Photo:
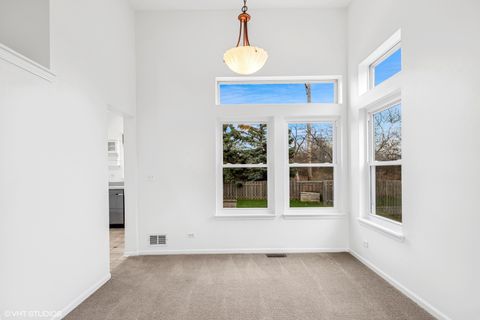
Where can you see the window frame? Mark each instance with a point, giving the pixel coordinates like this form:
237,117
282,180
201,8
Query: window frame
313,211
382,58
372,163
336,80
377,56
245,212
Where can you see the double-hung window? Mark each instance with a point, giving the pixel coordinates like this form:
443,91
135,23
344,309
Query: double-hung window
245,165
311,164
276,147
385,161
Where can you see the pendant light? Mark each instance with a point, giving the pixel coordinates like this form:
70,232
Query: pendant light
245,59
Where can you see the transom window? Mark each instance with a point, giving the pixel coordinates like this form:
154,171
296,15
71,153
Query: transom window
385,161
311,164
277,91
245,165
386,66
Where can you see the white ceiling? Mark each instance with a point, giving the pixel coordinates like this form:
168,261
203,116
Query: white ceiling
234,4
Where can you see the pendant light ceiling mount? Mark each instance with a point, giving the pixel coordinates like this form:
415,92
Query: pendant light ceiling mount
245,59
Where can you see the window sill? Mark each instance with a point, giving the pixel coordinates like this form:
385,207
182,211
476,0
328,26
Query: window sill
25,63
244,215
315,214
399,236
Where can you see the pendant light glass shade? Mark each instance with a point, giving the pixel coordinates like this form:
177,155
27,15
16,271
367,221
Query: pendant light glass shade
245,59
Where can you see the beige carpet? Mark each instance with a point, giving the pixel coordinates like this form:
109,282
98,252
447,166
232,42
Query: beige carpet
247,287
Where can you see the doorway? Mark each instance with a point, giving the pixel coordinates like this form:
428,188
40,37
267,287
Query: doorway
116,186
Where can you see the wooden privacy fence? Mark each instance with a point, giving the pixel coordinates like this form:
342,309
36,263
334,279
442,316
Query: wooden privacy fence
389,196
252,190
257,190
323,187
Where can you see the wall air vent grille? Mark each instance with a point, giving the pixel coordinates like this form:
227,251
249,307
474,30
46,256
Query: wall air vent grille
158,239
276,255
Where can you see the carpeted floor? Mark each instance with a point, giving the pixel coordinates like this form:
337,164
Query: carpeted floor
247,287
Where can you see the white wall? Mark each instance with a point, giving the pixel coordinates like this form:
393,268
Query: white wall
179,54
53,164
439,261
25,27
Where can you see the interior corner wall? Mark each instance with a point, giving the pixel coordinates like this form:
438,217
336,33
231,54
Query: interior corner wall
53,158
439,261
179,54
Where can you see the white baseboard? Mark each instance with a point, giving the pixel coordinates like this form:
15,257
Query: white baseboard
424,304
421,302
87,293
165,251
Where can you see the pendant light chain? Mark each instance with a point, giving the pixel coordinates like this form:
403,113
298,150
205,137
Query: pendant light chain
244,8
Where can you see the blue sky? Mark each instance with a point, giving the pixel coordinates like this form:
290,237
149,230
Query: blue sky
388,67
279,93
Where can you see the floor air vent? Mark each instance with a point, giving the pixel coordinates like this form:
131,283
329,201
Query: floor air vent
276,255
158,239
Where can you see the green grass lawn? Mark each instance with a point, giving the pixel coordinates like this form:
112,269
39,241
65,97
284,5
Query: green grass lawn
249,203
388,215
300,204
394,202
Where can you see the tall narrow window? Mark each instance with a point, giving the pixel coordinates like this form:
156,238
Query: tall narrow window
386,162
311,164
244,166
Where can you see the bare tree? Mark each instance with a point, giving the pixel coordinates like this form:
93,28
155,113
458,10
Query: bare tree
308,89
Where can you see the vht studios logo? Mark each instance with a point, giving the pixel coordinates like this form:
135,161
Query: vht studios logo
34,314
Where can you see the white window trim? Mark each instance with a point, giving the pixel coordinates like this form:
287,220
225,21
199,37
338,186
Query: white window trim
373,65
336,79
260,213
387,226
364,77
313,211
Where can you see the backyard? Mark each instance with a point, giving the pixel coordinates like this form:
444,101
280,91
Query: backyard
262,203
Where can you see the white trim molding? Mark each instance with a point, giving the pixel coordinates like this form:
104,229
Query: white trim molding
24,63
409,293
82,297
364,78
297,214
387,231
237,251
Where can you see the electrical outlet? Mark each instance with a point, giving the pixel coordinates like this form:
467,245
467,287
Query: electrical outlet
365,243
191,235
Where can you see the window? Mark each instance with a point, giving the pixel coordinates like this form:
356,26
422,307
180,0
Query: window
311,164
276,91
276,151
387,66
245,165
385,162
382,64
